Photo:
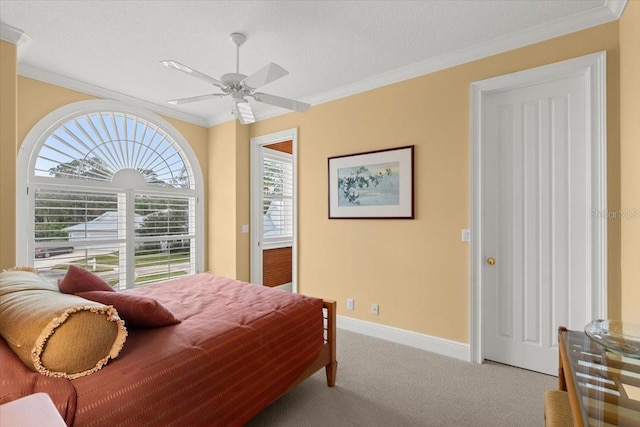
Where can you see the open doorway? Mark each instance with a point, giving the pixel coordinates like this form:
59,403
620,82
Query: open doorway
273,210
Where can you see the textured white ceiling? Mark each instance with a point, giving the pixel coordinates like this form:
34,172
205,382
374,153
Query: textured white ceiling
330,48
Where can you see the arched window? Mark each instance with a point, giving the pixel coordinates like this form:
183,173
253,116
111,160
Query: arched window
111,188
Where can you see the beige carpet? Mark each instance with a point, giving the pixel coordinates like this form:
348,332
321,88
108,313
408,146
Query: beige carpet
385,384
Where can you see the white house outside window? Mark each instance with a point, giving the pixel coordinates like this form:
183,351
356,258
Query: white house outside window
113,189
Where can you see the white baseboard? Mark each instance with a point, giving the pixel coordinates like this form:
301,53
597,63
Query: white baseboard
442,346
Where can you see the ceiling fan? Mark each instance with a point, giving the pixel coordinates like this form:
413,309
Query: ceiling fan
240,86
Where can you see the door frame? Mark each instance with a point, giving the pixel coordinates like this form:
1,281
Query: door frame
256,208
593,67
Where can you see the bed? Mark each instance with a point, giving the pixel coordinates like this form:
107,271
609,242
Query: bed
236,349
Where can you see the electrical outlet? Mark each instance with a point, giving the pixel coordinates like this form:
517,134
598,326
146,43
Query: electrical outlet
375,310
349,303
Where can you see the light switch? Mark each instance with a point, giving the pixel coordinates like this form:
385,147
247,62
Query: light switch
466,235
245,228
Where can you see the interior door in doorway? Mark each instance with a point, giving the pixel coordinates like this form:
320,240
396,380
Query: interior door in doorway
537,220
274,209
277,208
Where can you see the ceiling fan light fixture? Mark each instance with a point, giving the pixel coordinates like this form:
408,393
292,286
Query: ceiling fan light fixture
239,85
243,111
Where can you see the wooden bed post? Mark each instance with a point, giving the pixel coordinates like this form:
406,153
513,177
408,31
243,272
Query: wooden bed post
332,368
327,357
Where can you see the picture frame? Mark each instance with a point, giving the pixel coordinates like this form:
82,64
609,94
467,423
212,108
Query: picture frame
372,185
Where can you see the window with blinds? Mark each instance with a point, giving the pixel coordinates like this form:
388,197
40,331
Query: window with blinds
113,193
277,198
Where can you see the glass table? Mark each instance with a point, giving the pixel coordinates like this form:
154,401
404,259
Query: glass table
603,387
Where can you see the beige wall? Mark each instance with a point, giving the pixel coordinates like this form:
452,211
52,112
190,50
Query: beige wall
36,99
228,198
418,270
630,159
243,195
8,150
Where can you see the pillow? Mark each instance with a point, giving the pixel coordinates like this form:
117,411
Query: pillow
136,310
53,333
80,280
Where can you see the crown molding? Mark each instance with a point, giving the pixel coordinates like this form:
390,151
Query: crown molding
611,10
263,115
77,85
608,12
616,7
218,119
15,36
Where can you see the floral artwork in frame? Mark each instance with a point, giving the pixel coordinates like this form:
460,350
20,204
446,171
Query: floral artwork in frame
375,184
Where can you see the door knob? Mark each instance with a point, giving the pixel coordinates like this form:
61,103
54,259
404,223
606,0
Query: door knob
491,260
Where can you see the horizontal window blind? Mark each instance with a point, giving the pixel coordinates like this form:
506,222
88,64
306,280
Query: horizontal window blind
277,197
64,215
80,228
165,240
113,192
89,229
94,147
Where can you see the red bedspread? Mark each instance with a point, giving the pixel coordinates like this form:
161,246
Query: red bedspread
238,348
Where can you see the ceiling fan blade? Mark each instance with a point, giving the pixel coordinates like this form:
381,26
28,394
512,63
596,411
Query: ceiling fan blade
195,98
279,101
197,74
242,110
266,74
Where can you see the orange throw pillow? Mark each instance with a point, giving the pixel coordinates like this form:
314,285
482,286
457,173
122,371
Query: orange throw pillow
80,280
135,310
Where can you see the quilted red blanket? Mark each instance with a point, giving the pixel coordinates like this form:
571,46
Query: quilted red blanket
238,347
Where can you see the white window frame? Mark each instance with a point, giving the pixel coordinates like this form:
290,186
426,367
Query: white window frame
36,137
279,241
257,143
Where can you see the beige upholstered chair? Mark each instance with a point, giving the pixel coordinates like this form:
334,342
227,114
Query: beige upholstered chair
557,410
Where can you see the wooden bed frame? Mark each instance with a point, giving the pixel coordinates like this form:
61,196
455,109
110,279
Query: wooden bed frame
21,380
327,357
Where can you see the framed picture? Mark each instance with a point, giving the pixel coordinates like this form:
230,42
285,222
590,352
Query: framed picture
375,184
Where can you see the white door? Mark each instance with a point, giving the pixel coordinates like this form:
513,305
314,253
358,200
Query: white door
538,221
